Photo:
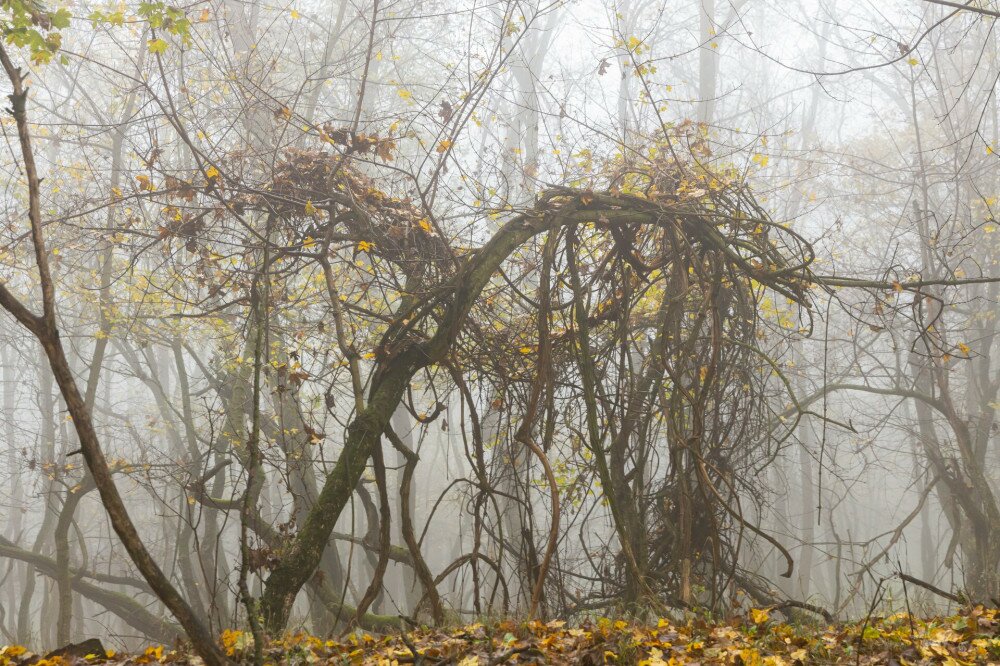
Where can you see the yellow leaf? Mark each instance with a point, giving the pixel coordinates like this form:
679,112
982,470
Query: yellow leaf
295,14
211,172
964,348
525,349
156,45
310,208
655,659
144,182
364,246
425,225
405,94
912,62
309,241
444,146
205,15
758,616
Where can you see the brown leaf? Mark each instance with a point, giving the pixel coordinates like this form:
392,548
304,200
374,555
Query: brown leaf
446,111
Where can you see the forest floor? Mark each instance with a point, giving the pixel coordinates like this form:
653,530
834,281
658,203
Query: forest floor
969,638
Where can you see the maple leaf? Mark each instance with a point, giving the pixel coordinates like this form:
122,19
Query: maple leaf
157,45
384,149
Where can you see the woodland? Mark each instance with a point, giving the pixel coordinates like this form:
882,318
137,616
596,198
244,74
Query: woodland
499,331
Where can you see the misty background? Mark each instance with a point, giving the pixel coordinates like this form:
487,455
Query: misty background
867,445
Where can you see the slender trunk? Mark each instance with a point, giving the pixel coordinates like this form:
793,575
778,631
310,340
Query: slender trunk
808,509
708,60
402,425
46,404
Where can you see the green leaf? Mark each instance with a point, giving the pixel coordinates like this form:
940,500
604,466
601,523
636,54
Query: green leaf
60,18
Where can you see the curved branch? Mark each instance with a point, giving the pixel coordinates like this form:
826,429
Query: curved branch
124,606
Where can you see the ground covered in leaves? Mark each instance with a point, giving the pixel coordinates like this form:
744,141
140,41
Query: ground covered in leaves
970,638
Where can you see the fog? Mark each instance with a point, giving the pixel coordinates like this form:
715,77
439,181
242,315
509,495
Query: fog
381,313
